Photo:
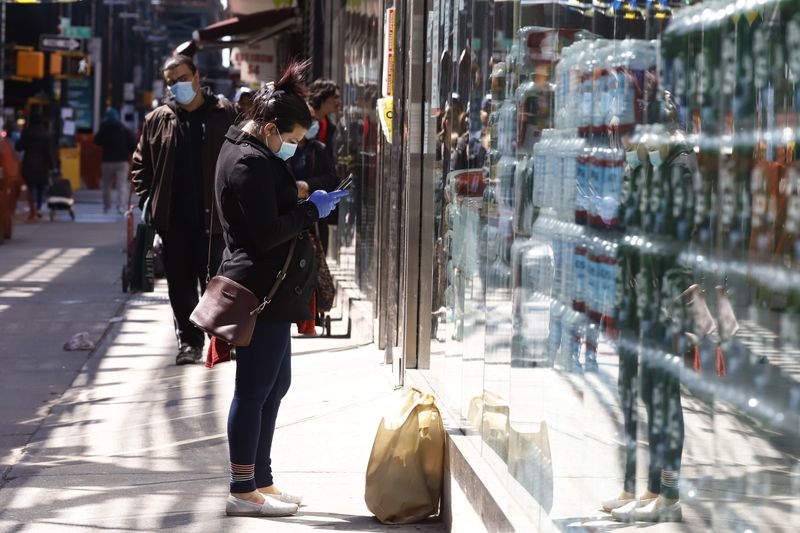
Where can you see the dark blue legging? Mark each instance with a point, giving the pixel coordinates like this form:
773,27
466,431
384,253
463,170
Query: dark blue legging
263,376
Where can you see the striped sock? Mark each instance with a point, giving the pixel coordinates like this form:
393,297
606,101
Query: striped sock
669,484
242,473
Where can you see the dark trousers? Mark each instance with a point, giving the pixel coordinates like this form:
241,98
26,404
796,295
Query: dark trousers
661,393
263,376
36,191
628,383
185,260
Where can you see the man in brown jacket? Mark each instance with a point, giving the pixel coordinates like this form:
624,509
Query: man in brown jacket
173,172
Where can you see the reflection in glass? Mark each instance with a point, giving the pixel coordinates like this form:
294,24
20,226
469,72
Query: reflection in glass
619,238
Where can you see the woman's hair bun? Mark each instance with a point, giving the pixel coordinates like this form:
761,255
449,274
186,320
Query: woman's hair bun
292,79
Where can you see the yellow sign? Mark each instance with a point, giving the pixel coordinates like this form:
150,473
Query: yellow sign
386,116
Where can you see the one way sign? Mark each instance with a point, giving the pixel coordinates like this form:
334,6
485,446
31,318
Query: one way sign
56,43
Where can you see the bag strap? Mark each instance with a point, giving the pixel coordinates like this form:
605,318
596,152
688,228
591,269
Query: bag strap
278,280
210,237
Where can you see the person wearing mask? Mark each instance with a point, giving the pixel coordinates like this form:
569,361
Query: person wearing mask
264,223
117,143
326,100
173,171
314,170
38,162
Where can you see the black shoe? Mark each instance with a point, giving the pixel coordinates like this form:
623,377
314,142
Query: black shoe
188,355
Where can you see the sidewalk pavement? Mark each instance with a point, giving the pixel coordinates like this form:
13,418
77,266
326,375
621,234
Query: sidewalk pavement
138,444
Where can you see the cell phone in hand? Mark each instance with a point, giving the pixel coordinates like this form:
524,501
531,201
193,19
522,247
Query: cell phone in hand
345,183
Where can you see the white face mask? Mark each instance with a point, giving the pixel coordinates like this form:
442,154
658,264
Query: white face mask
655,158
633,159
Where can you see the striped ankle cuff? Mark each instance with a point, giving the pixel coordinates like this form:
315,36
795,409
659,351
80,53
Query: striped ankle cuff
242,473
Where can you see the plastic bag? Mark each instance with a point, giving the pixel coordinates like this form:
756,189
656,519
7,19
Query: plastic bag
79,342
405,471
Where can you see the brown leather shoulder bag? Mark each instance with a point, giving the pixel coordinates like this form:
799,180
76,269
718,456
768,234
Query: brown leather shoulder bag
228,310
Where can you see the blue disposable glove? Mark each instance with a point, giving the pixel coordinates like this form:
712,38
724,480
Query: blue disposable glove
326,201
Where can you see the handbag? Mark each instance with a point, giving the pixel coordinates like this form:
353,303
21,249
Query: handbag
228,310
142,274
325,289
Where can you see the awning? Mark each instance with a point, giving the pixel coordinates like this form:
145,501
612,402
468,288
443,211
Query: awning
247,28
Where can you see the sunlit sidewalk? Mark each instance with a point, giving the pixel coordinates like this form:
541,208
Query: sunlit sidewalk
138,444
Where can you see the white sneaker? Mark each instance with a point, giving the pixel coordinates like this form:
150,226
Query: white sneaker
624,513
286,497
653,513
271,507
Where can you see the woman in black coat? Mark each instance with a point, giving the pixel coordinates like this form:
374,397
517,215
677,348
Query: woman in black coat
37,163
261,217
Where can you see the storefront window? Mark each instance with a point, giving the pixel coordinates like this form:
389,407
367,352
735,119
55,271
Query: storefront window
358,139
616,311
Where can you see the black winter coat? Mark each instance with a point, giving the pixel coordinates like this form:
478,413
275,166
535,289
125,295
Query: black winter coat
117,141
153,162
256,197
38,160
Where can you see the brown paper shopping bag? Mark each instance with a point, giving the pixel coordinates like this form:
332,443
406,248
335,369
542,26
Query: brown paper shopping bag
404,474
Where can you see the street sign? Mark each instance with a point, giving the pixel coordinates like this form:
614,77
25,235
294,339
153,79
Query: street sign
78,32
56,43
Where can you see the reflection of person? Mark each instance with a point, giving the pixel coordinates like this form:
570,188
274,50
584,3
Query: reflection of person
173,169
117,143
264,223
37,163
652,326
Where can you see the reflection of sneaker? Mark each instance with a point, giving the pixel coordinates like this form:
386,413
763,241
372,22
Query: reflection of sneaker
615,503
188,355
624,513
658,512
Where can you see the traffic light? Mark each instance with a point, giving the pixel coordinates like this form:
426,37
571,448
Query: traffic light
65,65
30,64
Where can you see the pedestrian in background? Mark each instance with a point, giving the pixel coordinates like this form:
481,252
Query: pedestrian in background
264,224
10,183
244,101
38,162
326,100
314,171
173,174
117,142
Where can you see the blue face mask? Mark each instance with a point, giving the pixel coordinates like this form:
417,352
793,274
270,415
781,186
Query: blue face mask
286,150
183,92
655,158
312,130
633,159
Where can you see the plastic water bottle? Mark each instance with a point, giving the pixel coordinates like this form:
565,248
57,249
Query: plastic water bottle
539,168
